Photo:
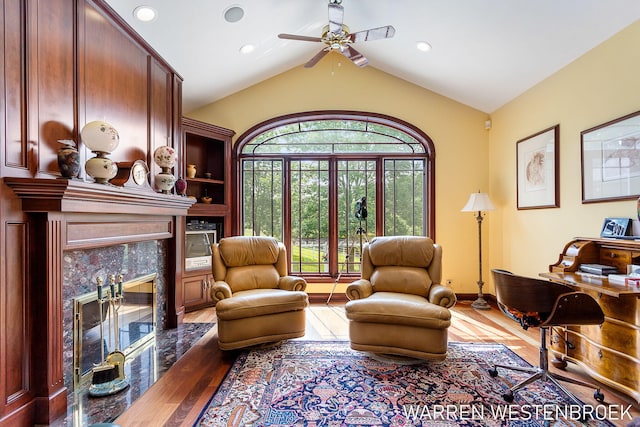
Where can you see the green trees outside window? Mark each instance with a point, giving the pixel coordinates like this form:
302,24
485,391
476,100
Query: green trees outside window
302,176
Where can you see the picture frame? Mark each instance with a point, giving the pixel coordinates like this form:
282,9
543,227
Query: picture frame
616,227
610,155
537,164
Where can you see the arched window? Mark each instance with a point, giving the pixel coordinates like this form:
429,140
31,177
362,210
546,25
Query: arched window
326,182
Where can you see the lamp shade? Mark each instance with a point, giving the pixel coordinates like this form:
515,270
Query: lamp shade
478,202
165,156
100,136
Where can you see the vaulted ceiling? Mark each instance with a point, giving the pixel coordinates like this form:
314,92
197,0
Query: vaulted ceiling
483,53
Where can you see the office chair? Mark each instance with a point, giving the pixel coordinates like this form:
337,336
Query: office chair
543,304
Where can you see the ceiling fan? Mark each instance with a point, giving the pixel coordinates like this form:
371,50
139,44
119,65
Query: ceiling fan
337,37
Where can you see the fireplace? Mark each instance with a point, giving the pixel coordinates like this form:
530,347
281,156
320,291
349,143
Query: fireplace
78,231
94,326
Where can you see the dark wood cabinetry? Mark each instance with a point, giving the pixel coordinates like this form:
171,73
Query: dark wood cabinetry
608,352
207,148
65,63
196,290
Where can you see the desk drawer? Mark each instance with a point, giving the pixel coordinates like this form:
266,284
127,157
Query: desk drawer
615,367
618,258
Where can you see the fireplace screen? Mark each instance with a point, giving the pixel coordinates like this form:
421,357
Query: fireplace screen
136,325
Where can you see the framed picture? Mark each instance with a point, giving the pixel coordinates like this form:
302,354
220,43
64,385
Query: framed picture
537,169
615,227
611,160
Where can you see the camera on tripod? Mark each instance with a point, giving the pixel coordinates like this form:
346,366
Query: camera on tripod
361,208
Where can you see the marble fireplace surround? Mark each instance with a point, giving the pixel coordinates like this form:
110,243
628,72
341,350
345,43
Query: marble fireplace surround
78,230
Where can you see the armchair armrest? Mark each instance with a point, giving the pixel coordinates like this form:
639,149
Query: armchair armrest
220,290
359,289
292,283
442,296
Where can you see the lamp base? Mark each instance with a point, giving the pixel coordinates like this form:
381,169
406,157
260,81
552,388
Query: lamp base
480,304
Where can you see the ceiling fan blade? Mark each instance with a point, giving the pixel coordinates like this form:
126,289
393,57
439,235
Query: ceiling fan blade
385,32
355,56
302,38
336,15
313,61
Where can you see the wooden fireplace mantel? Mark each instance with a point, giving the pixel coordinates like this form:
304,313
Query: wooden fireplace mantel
77,196
69,214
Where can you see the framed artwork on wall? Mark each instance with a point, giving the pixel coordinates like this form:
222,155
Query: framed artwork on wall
538,170
611,160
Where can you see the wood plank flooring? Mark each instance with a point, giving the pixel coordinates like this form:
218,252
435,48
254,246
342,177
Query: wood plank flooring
180,395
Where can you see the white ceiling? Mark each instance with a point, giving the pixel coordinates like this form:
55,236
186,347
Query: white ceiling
485,52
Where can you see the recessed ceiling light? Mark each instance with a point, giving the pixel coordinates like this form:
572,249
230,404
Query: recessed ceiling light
247,48
423,46
145,13
233,14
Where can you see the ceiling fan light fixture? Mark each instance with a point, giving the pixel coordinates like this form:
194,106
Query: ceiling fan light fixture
233,14
423,46
145,13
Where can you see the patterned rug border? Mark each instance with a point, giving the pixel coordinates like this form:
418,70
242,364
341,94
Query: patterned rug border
529,419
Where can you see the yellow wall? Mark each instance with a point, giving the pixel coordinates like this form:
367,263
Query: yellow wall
598,87
458,133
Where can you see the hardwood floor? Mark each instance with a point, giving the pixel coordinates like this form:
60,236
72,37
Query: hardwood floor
180,395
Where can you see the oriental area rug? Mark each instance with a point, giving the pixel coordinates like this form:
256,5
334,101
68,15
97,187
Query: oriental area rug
316,383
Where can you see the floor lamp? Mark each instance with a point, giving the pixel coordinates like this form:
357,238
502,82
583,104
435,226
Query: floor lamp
479,202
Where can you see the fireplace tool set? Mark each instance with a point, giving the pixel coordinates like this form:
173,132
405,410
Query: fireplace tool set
108,375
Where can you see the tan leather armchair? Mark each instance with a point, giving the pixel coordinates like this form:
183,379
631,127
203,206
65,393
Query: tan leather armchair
398,306
256,300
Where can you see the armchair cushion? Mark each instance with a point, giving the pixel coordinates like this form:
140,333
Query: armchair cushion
249,251
399,309
252,277
408,280
260,302
406,251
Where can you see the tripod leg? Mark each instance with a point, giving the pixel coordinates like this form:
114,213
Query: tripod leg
345,265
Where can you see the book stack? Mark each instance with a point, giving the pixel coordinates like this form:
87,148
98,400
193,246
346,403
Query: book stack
599,269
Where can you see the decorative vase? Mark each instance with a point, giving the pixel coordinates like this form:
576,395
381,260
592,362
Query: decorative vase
68,159
191,171
101,168
206,199
181,187
165,181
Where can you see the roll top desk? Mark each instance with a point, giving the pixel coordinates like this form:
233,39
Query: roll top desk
608,352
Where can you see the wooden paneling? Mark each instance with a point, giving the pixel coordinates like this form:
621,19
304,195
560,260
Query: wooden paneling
159,111
15,341
65,63
113,82
14,136
110,231
51,85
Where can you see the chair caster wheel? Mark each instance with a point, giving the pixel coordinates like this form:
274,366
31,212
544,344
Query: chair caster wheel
493,372
508,396
598,396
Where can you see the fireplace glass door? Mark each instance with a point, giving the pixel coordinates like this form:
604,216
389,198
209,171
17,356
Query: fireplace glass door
94,326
